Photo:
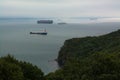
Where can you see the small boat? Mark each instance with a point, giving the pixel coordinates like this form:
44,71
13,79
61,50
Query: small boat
39,33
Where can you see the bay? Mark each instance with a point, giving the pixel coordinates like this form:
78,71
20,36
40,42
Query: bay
42,50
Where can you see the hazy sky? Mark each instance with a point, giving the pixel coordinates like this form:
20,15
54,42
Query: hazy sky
59,8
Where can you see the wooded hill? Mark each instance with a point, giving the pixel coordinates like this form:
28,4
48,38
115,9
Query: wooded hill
13,69
89,58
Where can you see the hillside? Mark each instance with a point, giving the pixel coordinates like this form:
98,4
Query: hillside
89,58
81,47
12,69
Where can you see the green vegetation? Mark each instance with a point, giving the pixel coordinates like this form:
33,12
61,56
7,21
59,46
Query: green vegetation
83,47
89,58
12,69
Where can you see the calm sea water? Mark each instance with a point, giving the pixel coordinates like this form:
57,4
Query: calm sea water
41,50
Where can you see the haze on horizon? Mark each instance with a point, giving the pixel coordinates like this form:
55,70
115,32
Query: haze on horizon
60,8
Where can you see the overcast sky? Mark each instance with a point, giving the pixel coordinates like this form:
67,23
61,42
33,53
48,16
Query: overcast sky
59,8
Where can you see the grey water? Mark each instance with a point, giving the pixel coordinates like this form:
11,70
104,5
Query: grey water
42,50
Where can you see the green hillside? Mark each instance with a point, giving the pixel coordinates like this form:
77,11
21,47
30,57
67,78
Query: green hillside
12,69
89,58
80,47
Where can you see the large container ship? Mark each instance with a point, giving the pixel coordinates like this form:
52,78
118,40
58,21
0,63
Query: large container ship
45,21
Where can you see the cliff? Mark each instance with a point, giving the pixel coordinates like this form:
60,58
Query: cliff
82,47
89,58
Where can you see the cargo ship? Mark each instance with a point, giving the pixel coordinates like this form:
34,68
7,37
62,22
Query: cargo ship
40,33
45,21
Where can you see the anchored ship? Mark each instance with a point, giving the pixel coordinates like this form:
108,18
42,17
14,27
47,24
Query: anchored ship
41,32
45,21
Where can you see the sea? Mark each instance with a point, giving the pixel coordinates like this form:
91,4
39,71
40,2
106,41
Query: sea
42,50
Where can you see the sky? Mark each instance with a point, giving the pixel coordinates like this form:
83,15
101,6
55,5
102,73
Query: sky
60,8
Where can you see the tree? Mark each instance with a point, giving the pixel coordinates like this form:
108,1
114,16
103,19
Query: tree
12,69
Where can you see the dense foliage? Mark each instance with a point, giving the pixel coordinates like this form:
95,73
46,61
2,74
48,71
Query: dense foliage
89,58
82,47
12,69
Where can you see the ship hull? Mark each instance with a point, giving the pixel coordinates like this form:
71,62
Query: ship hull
39,33
45,22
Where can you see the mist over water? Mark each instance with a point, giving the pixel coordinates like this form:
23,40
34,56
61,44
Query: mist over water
41,50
